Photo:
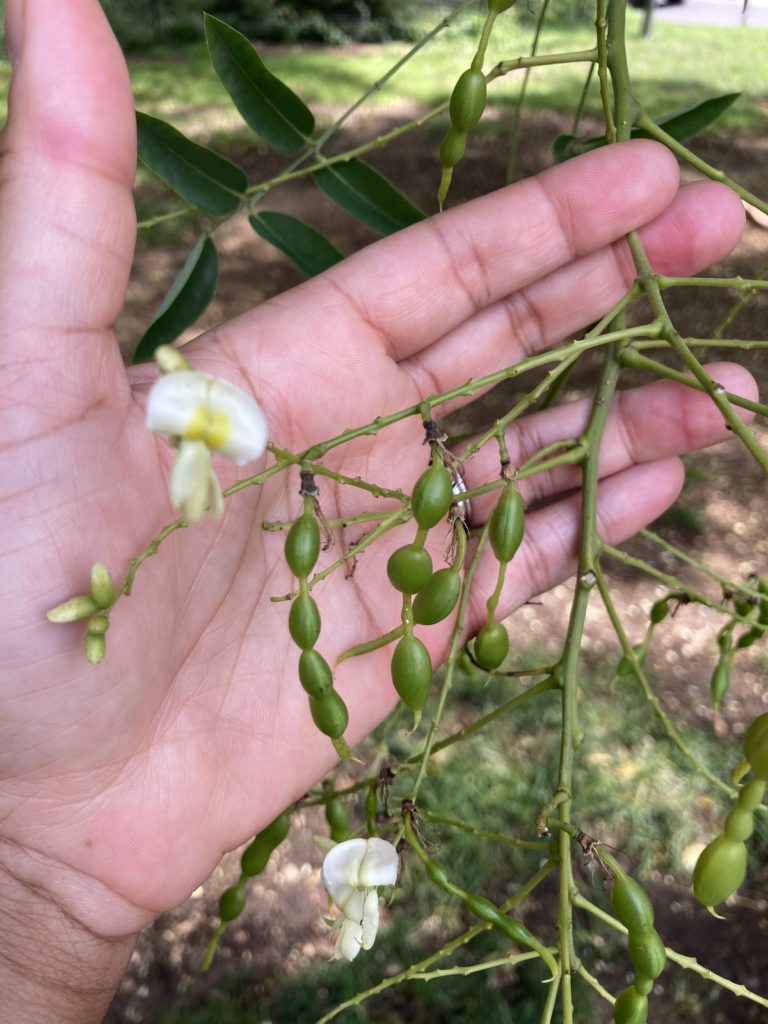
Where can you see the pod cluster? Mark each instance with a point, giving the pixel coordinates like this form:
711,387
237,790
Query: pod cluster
467,103
302,548
94,607
631,905
722,864
505,533
409,569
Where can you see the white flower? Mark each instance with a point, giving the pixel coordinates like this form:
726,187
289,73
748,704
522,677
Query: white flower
351,872
202,414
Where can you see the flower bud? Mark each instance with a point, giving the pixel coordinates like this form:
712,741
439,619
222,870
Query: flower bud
102,587
80,607
95,647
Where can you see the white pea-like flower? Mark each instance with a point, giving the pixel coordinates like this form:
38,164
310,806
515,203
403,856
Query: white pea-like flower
202,414
352,871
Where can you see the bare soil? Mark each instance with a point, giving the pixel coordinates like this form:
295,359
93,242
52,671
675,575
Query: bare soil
726,500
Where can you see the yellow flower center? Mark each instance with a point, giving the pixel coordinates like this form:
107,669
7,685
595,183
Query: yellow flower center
209,425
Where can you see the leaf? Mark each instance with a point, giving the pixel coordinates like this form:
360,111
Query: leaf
187,298
681,125
267,105
195,172
310,250
367,196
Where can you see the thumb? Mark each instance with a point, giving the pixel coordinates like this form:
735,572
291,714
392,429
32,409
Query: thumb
67,225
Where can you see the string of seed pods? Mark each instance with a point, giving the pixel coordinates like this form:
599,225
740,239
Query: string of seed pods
467,103
505,533
253,861
302,549
722,864
633,908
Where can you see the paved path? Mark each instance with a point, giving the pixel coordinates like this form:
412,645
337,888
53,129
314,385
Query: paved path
716,12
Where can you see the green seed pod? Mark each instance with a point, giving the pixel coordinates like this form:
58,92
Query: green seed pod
315,674
468,100
99,624
719,683
255,857
485,910
95,647
631,1007
438,598
452,147
80,607
491,646
432,496
329,714
739,824
647,953
756,746
507,525
719,871
630,904
337,816
276,831
499,6
302,545
752,795
412,672
231,903
409,568
643,985
437,873
304,621
102,587
659,610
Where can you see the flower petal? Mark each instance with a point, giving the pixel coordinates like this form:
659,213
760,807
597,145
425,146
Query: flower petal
194,487
174,400
380,864
341,866
350,940
248,430
370,918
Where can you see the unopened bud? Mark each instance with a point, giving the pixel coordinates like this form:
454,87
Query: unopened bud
170,360
102,587
80,607
95,647
98,625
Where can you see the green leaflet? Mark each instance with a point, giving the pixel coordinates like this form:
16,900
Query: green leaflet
367,196
198,174
310,250
682,125
187,298
266,104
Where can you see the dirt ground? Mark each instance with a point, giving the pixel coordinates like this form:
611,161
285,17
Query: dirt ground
727,495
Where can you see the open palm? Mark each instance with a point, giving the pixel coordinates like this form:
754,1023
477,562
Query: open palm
124,782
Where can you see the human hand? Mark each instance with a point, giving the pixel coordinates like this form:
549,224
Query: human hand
124,782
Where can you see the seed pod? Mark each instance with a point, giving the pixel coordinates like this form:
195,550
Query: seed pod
752,795
409,568
432,496
304,621
491,646
412,672
102,587
315,674
739,824
643,985
337,816
468,100
255,857
647,953
329,714
499,6
507,525
80,607
452,147
231,903
435,601
437,873
630,1007
719,683
276,831
631,905
659,610
719,871
95,647
756,746
302,545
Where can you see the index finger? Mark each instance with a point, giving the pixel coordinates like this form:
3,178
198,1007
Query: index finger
417,285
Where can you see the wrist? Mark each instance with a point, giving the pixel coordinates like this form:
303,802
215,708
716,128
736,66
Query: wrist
53,967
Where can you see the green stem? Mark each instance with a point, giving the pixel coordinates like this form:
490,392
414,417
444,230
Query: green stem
517,117
741,588
493,837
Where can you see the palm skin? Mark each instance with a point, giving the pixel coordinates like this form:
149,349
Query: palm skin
123,783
